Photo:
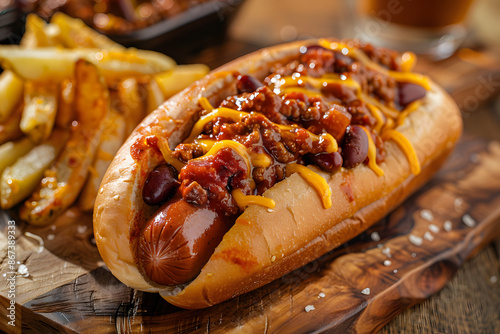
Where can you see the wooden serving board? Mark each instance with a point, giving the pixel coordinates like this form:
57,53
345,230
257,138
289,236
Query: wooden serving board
359,287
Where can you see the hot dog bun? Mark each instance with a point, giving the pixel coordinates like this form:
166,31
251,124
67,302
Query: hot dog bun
264,244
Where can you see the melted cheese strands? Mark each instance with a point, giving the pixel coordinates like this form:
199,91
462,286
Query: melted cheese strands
406,147
243,200
231,114
205,104
167,153
372,154
237,147
315,180
211,147
407,63
409,108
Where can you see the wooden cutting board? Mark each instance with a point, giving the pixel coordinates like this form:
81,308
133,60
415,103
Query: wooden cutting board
359,287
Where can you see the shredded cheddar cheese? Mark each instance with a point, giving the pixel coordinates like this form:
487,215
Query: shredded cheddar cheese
167,154
408,60
406,65
406,147
211,146
315,180
243,200
231,114
372,154
409,108
205,104
378,116
234,145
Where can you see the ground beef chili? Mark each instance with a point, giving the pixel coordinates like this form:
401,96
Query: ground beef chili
287,118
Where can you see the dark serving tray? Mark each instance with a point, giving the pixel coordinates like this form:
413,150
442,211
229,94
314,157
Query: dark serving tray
178,36
195,28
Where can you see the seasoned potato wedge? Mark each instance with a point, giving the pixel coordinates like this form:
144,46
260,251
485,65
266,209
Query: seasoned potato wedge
13,150
9,129
112,139
11,93
64,180
19,180
40,108
58,64
74,33
180,77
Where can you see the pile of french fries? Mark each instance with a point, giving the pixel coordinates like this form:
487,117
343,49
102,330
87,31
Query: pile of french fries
69,98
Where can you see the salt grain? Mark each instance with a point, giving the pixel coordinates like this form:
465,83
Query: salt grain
270,210
413,254
387,263
493,279
417,241
434,228
468,220
387,252
395,271
458,202
116,197
4,275
53,228
426,215
23,270
51,237
81,229
447,226
375,236
428,236
321,295
365,291
273,258
309,308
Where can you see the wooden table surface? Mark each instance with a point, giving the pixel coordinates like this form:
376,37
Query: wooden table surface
470,301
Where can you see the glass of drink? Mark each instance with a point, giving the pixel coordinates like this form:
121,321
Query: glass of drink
430,27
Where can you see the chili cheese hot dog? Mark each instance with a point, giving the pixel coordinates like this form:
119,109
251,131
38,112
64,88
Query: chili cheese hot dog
266,164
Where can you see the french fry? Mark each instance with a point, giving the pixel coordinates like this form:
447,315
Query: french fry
57,64
112,138
40,108
180,77
13,150
19,180
131,101
155,96
35,26
11,92
64,180
10,130
74,33
65,112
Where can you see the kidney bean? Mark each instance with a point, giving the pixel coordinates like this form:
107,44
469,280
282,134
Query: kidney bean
409,92
354,146
247,84
160,185
329,162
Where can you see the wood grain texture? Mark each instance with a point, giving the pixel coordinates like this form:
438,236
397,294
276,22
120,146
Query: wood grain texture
94,301
67,251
